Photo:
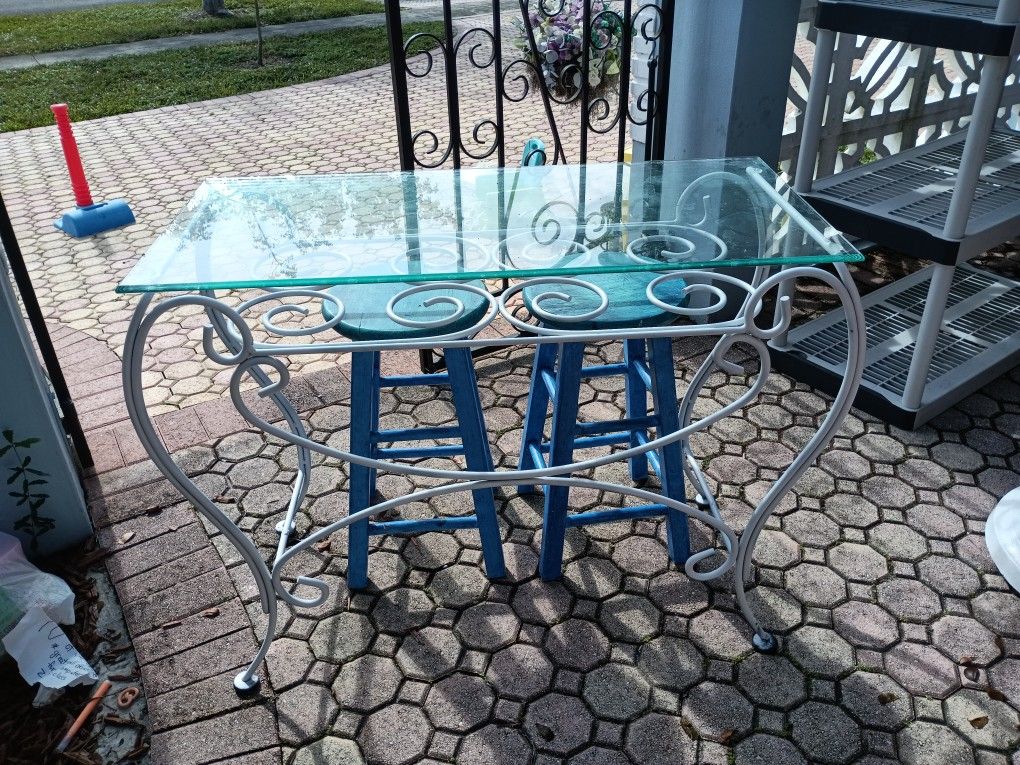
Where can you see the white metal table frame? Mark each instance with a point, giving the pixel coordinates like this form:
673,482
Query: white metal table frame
229,341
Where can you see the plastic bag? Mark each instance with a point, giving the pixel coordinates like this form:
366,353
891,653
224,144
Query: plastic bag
23,586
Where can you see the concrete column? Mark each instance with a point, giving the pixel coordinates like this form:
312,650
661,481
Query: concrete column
729,77
27,409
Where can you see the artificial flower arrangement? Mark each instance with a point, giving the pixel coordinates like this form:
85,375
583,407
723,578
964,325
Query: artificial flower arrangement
559,45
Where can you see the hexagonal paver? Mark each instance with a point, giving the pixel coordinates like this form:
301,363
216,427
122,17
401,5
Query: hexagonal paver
876,700
897,541
965,640
641,555
927,743
815,585
329,751
865,625
577,644
764,749
1005,677
982,720
539,602
718,712
999,611
672,663
616,692
657,739
367,683
771,681
592,577
820,651
720,634
488,626
857,562
342,637
305,712
776,549
395,734
676,593
253,472
429,653
494,745
850,510
888,492
598,755
520,672
810,527
909,600
922,670
630,618
459,702
457,586
949,576
825,732
401,610
935,522
558,723
880,448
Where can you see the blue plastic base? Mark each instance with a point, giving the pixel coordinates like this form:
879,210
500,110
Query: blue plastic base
94,219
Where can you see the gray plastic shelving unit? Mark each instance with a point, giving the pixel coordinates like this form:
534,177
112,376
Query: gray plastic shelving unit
945,201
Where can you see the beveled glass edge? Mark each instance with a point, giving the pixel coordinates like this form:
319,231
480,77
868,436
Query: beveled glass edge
821,259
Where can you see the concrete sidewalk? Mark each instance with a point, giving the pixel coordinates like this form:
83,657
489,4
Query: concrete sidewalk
431,13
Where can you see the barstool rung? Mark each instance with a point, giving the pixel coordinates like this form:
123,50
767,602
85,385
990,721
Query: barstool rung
590,442
641,367
604,370
536,455
421,525
549,380
407,381
611,514
422,451
615,426
415,434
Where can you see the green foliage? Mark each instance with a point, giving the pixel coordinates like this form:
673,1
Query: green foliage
133,83
63,30
27,486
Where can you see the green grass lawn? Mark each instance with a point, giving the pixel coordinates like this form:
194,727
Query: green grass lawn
62,30
133,83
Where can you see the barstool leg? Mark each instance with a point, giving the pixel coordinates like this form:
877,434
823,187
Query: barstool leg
538,405
363,365
670,457
561,452
476,453
637,401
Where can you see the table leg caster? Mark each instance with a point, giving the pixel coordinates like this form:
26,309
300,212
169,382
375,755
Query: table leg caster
702,504
765,642
246,687
281,525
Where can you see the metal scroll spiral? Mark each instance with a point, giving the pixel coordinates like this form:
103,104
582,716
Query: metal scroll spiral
435,152
646,25
481,54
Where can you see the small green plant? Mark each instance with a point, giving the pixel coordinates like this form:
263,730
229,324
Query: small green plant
29,484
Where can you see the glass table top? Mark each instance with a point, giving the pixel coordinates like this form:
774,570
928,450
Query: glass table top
437,225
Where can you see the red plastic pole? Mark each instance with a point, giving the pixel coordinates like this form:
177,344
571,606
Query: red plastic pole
79,184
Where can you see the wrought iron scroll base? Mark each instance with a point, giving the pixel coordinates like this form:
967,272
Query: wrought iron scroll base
229,341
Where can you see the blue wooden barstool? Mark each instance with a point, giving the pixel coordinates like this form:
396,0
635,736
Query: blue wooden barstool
365,319
647,367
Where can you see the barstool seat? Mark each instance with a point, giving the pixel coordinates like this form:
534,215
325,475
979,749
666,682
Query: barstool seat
628,300
365,319
647,367
365,316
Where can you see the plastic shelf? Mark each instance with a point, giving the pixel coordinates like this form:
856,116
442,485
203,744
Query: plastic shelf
979,340
967,25
902,201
